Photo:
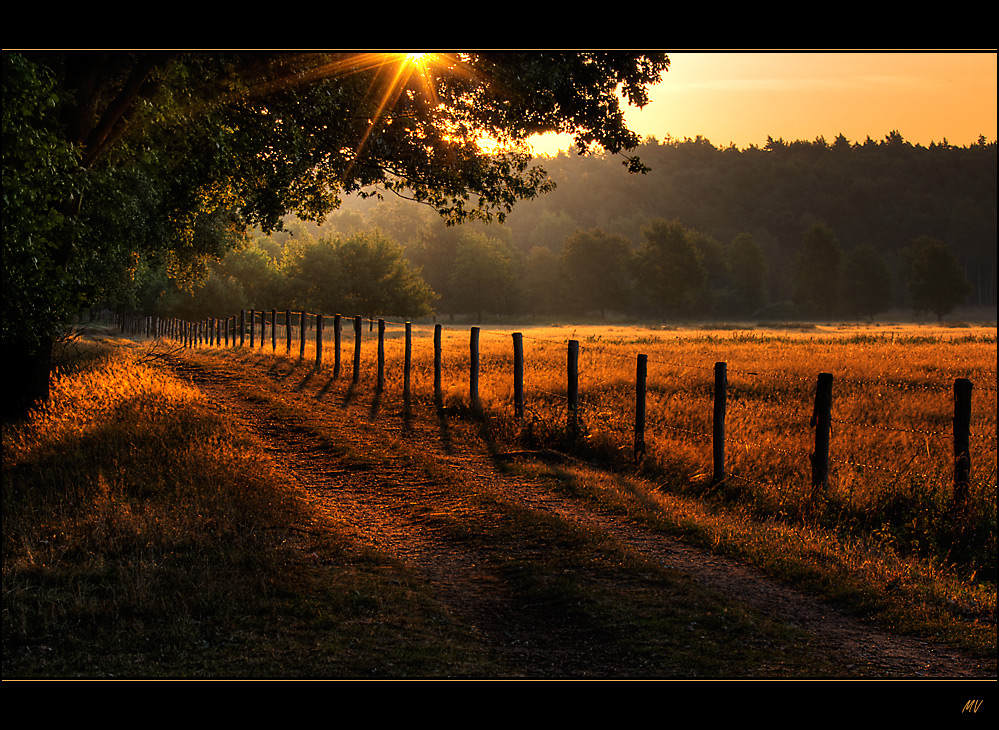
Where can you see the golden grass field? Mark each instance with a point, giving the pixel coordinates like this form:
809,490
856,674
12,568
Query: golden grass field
891,451
121,468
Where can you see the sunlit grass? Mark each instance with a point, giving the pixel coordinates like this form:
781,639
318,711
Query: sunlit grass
891,475
885,532
145,535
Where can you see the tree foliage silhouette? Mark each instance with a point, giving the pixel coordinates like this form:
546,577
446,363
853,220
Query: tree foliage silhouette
109,156
936,283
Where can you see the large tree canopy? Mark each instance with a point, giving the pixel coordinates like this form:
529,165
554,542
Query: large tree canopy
110,158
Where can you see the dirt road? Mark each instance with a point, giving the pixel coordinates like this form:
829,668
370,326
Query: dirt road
377,507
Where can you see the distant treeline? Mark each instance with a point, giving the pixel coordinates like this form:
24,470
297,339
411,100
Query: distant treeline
792,229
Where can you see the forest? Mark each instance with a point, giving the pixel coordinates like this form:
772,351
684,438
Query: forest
803,229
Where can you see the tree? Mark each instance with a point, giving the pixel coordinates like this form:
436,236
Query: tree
551,230
867,285
597,265
936,283
375,279
111,154
435,254
258,273
360,274
670,268
747,265
711,252
544,282
816,272
482,276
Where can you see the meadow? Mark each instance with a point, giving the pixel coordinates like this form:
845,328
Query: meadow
144,533
891,476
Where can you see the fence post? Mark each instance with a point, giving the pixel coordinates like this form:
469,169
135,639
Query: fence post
518,374
572,386
263,327
641,371
287,331
438,365
357,349
253,316
301,334
336,346
962,440
718,431
319,341
273,330
407,362
822,423
473,365
381,355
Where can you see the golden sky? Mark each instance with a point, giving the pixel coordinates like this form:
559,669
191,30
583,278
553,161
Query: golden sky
741,98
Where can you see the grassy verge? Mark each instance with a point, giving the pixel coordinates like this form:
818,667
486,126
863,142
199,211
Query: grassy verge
588,607
817,546
900,592
143,536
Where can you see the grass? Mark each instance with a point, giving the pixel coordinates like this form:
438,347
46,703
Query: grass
145,535
884,536
892,468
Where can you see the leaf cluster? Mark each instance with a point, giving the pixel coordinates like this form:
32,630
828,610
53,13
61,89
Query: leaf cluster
119,156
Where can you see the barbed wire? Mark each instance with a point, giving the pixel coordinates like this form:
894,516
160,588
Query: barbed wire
592,384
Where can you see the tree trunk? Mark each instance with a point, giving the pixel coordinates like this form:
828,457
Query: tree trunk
27,371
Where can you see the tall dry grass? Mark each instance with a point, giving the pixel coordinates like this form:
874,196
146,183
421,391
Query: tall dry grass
134,520
892,471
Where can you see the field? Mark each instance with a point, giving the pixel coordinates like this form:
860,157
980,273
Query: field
128,501
891,457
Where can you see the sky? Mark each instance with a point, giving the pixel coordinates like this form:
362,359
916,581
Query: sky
741,98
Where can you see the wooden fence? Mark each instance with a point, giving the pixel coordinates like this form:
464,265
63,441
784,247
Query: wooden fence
241,331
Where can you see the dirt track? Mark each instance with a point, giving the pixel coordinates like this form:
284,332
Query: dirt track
376,507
